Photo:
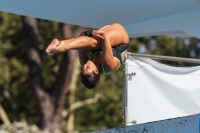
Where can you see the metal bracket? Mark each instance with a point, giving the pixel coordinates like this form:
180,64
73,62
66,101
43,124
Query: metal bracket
133,73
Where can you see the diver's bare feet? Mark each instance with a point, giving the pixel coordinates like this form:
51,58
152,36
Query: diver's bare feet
51,49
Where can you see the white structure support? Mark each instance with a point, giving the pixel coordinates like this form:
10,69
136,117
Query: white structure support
153,91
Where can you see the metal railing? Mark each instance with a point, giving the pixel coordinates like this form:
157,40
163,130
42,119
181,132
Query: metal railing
168,58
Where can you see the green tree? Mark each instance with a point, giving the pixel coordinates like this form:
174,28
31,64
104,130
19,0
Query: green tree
17,96
49,101
13,69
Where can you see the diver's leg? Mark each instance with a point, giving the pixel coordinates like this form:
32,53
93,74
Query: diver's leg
55,44
82,42
116,34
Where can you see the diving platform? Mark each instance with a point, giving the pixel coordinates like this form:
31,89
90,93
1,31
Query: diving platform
187,124
158,98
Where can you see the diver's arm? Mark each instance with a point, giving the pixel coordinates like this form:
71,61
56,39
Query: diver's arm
82,57
109,61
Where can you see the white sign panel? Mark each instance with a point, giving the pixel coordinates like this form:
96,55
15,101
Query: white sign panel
157,91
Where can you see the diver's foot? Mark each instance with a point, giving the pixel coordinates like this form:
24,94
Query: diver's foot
51,49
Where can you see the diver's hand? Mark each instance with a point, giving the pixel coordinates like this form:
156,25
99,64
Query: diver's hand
98,34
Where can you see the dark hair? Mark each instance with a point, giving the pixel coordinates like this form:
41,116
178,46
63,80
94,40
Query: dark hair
90,81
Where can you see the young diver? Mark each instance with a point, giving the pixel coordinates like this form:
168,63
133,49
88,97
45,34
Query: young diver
107,46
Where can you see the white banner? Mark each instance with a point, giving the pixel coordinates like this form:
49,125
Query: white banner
158,92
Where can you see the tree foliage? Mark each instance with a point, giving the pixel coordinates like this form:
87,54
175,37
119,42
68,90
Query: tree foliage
13,70
17,98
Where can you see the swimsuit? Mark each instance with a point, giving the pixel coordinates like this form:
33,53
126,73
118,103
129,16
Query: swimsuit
117,52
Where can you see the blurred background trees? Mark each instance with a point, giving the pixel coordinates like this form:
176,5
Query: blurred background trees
46,90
